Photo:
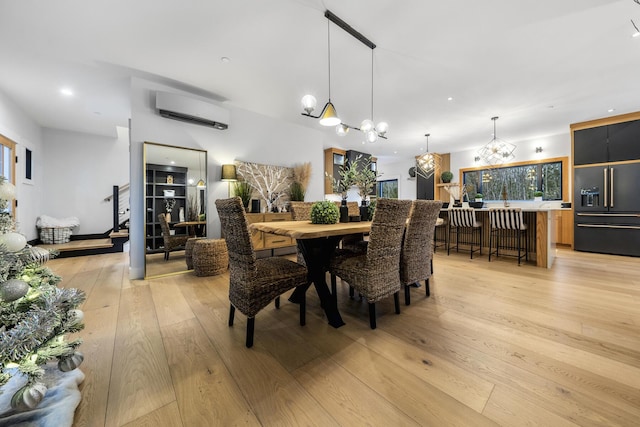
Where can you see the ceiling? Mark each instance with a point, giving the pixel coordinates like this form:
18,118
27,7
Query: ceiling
538,65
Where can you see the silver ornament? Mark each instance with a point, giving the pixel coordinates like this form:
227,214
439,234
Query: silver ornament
70,363
28,397
13,289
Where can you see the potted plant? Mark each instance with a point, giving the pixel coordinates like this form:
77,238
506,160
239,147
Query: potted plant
243,190
296,192
479,197
446,176
324,212
537,196
365,181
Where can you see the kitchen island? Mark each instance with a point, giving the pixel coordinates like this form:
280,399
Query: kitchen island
541,232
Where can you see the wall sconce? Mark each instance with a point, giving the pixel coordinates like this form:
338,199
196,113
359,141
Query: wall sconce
476,159
538,149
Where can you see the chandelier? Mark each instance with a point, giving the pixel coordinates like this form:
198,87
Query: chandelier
428,163
496,151
329,115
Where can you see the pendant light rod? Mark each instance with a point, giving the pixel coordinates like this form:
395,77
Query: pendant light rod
329,56
349,29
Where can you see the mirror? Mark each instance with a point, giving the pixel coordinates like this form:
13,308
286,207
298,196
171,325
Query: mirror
175,187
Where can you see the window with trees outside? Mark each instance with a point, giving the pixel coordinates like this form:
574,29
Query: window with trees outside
387,188
519,180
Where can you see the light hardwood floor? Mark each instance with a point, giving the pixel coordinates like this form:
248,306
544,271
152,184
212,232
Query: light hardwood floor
495,344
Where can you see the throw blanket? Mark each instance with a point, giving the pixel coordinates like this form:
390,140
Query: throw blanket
57,407
49,221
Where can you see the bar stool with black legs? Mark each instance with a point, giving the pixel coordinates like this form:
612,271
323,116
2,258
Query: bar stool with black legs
463,220
507,225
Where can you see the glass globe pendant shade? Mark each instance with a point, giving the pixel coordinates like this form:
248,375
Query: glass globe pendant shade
366,125
382,128
371,136
329,116
309,103
342,130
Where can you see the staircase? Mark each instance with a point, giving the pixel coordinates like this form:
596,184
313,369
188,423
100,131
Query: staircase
90,245
112,240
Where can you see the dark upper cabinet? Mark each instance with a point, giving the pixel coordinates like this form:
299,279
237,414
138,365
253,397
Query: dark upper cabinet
624,141
590,146
424,187
612,143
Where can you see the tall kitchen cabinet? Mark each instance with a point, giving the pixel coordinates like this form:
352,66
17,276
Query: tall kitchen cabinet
163,181
606,173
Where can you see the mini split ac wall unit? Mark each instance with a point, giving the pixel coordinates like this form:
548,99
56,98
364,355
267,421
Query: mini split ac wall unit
191,110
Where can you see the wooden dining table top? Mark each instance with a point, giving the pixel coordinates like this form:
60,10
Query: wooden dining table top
307,230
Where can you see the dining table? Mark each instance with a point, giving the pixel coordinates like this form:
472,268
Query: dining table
317,243
194,228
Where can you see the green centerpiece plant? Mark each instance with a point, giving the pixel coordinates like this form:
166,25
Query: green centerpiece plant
324,212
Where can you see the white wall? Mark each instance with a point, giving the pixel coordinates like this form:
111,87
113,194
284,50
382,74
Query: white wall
552,146
251,137
81,170
26,133
399,170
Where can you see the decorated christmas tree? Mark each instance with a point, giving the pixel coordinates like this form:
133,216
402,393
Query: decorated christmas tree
35,314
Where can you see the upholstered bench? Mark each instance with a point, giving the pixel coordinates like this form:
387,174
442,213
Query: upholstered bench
210,257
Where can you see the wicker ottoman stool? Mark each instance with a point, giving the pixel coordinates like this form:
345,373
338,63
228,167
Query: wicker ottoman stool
210,257
188,251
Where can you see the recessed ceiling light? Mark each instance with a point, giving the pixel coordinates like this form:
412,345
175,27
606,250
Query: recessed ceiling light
450,98
395,152
636,34
611,110
66,91
421,148
224,59
173,162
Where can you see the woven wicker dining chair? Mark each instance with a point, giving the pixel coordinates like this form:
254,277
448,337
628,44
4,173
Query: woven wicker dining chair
376,273
170,242
300,211
416,255
253,283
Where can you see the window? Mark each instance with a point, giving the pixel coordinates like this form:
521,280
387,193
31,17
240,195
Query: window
388,189
7,165
519,180
28,163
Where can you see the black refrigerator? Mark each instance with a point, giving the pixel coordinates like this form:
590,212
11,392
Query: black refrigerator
607,189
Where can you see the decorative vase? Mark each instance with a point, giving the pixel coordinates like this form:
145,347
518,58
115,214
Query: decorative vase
364,211
181,215
344,212
168,216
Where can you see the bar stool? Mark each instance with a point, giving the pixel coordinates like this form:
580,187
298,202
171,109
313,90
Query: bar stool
502,220
464,221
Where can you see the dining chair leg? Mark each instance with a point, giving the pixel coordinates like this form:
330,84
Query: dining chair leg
277,301
251,321
334,288
232,312
519,234
426,286
490,242
351,292
432,265
407,295
303,310
396,301
372,315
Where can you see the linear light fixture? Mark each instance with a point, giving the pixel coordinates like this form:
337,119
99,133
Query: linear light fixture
329,115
